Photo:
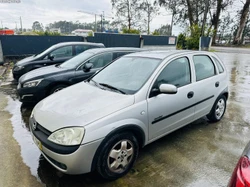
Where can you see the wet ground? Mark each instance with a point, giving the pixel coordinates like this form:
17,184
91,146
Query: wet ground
201,154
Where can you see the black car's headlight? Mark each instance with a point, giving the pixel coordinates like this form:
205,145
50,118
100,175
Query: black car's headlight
18,68
68,136
32,83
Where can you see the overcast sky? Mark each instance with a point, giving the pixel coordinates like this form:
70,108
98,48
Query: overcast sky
48,11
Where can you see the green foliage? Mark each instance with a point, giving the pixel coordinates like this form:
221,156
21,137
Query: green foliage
156,33
130,31
90,34
181,41
47,33
194,38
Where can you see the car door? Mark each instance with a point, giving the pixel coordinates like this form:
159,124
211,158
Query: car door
60,55
98,61
168,112
207,85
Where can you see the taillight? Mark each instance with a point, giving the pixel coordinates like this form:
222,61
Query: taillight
241,174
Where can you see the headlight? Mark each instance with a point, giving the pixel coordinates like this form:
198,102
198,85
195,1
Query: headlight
32,83
18,68
68,136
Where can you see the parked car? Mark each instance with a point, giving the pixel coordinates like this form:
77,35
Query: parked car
36,85
103,122
241,173
56,54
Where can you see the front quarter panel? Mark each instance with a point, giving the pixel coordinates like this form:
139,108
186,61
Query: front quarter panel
133,115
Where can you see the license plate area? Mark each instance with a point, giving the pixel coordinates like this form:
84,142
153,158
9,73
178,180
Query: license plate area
38,143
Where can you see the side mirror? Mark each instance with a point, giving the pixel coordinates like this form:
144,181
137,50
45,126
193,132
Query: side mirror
51,57
168,89
87,67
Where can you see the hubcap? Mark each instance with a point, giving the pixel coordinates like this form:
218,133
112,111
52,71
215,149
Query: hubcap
220,108
120,156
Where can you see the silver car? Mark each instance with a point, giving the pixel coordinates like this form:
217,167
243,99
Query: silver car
101,124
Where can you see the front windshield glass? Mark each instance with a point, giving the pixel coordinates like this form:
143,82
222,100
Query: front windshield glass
76,61
128,74
45,52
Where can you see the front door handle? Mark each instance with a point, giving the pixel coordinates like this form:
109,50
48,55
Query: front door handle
217,84
190,95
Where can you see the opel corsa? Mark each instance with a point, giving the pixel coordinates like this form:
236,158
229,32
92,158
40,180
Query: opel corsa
101,124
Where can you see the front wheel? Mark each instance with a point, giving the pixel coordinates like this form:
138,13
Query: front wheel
57,88
218,109
118,156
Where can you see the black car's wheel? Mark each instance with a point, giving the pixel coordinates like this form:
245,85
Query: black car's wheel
218,109
117,156
57,88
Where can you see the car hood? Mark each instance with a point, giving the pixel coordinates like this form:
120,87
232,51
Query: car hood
41,73
25,60
79,105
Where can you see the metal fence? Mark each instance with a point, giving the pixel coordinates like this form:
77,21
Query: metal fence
26,45
116,40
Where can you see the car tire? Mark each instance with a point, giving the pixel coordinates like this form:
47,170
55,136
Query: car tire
218,109
57,88
117,156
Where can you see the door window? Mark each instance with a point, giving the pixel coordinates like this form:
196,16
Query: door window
176,72
119,54
221,69
101,60
204,67
81,48
62,52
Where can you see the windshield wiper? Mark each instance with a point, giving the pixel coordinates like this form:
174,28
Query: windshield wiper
112,87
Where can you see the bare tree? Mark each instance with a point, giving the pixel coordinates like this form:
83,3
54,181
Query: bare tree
243,18
151,10
128,12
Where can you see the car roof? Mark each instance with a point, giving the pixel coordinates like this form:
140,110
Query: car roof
111,49
78,43
165,53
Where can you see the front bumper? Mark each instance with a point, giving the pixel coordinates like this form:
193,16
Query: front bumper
32,94
77,162
18,74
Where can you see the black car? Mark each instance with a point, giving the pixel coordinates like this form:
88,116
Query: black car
56,54
38,84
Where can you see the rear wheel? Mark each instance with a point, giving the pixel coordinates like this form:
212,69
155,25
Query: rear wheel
117,156
218,109
57,88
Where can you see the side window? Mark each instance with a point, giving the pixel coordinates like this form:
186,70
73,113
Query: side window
119,54
81,48
101,60
218,64
176,72
62,52
204,67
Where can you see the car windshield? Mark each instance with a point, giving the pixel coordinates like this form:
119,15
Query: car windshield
45,52
127,74
76,61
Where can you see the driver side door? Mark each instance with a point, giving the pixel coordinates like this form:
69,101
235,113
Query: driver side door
168,112
60,55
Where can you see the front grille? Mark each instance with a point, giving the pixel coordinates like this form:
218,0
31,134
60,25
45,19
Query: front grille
42,129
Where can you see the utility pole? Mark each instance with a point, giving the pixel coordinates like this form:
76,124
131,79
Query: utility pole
101,23
2,24
21,24
172,22
95,24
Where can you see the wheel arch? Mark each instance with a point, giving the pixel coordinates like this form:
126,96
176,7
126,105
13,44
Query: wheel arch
50,86
134,129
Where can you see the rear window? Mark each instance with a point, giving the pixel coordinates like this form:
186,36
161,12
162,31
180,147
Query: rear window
218,64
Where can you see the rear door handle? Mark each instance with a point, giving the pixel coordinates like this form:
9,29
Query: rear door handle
217,84
190,95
